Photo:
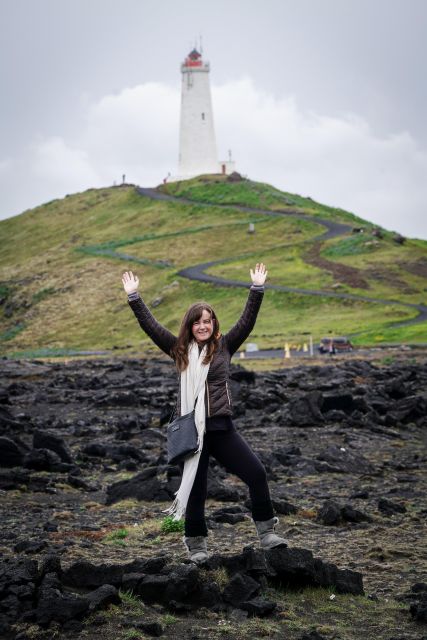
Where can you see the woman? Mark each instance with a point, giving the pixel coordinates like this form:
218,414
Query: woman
202,356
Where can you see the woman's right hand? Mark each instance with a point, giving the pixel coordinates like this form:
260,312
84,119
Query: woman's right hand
130,282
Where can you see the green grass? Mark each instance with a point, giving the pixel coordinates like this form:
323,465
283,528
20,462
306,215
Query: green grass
351,246
42,294
61,266
117,537
12,332
4,291
169,525
46,353
348,616
217,189
413,334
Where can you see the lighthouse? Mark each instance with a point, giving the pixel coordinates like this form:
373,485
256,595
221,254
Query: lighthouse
197,144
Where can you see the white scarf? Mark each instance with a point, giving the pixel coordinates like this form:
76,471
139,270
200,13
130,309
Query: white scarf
193,380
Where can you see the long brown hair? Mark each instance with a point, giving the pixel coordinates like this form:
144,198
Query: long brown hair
180,351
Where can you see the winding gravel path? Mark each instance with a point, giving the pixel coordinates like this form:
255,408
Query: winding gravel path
333,230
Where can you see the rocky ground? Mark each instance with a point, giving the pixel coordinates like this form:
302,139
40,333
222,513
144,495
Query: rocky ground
85,550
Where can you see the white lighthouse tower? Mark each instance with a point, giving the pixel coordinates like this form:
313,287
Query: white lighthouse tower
197,144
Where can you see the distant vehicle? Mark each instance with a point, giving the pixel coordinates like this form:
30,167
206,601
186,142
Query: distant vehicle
335,345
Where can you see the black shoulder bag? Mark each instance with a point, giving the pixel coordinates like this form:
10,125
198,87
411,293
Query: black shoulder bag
181,437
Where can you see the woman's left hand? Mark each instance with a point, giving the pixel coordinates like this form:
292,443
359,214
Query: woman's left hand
259,274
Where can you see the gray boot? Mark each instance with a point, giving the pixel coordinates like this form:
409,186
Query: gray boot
267,537
197,549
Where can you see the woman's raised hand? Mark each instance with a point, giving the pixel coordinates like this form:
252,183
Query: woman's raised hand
259,274
130,282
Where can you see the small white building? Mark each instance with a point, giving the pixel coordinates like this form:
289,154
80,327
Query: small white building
197,143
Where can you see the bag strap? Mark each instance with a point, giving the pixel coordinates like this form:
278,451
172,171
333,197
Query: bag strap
175,408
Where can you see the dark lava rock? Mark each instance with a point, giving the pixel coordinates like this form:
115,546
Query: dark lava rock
306,410
121,398
258,607
418,609
30,546
242,375
312,635
122,452
337,401
417,598
95,449
50,564
143,486
332,513
297,567
344,461
251,562
85,574
181,588
152,588
349,514
362,495
283,507
240,588
43,594
187,585
79,483
54,605
230,516
102,597
10,454
412,408
389,508
48,440
10,480
42,460
221,491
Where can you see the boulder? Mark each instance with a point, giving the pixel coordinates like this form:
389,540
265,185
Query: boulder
13,479
297,567
48,440
143,486
306,410
333,513
342,401
258,607
240,589
53,605
390,508
342,460
10,454
102,597
42,460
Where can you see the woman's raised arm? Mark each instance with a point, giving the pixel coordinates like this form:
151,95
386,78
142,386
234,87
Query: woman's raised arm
161,336
243,327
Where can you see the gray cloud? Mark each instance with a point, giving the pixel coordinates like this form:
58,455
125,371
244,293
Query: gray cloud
341,81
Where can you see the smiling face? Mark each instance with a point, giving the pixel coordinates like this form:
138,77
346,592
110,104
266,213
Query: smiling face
203,327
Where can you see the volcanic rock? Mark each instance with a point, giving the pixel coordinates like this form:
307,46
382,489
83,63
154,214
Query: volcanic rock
48,440
306,410
10,454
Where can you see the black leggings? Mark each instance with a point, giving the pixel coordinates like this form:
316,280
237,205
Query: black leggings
234,453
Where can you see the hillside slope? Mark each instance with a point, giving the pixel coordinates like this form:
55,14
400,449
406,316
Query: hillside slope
61,266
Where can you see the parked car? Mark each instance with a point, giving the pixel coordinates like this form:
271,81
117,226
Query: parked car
335,345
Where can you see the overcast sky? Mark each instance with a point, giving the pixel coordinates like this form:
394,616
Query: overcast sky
325,98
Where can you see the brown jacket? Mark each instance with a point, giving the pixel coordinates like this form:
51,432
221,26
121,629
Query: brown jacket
217,398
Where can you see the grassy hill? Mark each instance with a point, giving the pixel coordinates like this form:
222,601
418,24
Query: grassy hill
61,265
